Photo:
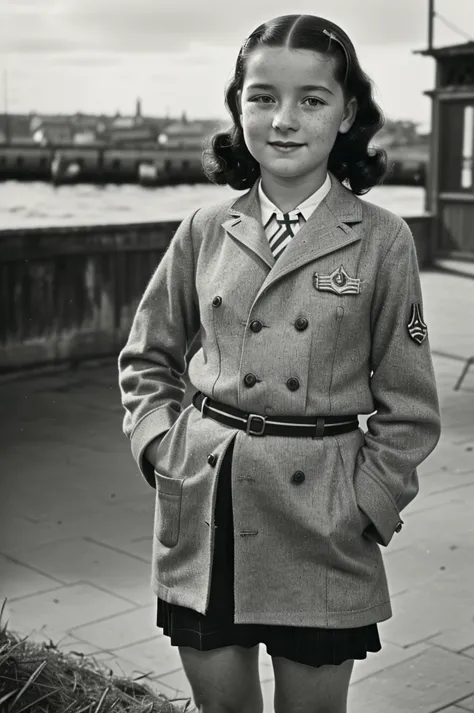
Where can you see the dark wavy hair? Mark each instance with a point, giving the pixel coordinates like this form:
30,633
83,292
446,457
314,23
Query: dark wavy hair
226,158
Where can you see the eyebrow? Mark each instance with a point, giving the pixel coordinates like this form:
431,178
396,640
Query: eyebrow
304,88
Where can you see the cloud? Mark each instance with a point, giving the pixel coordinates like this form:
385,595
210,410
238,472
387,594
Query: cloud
151,25
147,25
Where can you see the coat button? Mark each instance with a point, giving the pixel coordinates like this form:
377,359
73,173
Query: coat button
298,477
217,301
293,384
301,324
399,527
211,459
250,380
256,325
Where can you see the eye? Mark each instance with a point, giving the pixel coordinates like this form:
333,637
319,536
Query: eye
314,101
262,99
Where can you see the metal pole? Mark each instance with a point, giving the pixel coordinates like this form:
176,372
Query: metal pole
464,372
431,14
5,103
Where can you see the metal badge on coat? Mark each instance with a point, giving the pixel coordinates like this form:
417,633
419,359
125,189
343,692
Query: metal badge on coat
338,282
417,329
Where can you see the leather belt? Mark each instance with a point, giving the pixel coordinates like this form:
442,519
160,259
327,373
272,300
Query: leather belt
256,425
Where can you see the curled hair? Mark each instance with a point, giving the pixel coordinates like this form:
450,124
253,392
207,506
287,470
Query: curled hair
226,158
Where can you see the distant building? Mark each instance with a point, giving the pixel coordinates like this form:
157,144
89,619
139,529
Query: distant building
85,137
129,134
187,134
15,128
116,130
136,129
52,130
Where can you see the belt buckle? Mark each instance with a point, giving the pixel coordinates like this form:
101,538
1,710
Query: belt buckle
205,399
249,430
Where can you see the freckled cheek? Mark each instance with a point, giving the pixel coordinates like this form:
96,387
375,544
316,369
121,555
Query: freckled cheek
254,127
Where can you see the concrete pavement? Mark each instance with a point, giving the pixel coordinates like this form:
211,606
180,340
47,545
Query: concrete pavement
76,532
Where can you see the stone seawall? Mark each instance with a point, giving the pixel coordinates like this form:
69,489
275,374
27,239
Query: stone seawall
69,294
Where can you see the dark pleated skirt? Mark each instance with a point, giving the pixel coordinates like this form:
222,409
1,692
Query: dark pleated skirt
308,645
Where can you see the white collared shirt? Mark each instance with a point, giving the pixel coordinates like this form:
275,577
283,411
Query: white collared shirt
306,208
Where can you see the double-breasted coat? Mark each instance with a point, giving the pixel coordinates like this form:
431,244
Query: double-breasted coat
325,345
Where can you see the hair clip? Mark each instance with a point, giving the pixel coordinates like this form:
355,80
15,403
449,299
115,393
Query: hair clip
330,34
334,37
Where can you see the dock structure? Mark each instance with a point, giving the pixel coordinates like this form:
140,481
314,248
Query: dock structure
450,175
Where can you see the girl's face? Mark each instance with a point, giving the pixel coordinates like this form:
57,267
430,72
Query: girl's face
292,96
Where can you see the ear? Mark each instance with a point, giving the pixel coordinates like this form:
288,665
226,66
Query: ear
349,116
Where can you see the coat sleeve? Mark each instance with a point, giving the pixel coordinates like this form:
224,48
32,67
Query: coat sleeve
405,427
153,361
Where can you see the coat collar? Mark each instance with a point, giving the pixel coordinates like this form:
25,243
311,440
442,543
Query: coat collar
326,230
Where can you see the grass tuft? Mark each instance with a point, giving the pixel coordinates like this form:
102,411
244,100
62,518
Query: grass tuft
40,678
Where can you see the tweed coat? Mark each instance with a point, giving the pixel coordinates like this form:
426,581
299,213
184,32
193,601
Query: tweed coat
307,551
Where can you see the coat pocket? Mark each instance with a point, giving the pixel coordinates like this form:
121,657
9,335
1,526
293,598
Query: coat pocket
169,493
358,518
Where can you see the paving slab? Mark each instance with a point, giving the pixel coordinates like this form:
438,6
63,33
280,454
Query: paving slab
467,703
390,655
424,684
422,613
18,580
120,630
457,640
422,567
118,666
61,610
69,561
154,656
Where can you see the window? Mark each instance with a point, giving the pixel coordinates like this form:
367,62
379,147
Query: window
457,71
456,143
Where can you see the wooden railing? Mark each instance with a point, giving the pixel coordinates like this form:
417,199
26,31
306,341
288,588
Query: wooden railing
69,294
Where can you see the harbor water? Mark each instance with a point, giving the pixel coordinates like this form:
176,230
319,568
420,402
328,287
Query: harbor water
37,204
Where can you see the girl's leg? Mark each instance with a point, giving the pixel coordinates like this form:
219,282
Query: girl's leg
224,680
306,689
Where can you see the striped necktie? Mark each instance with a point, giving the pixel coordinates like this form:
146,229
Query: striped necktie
284,231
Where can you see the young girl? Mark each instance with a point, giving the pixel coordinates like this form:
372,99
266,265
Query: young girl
271,502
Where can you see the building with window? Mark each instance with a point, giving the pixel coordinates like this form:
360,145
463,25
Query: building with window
450,187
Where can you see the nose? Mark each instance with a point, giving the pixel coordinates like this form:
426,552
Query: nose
285,118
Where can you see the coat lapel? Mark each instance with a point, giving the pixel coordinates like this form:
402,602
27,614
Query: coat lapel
246,225
327,230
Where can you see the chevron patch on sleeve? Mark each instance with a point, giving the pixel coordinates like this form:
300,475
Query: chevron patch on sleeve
417,329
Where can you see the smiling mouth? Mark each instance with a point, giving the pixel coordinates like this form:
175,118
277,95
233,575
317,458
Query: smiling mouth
285,145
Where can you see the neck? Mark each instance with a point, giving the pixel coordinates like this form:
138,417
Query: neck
288,193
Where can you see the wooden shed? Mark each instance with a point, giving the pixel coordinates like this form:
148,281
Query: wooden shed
450,184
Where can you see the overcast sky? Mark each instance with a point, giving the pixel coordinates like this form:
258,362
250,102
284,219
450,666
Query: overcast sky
100,55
